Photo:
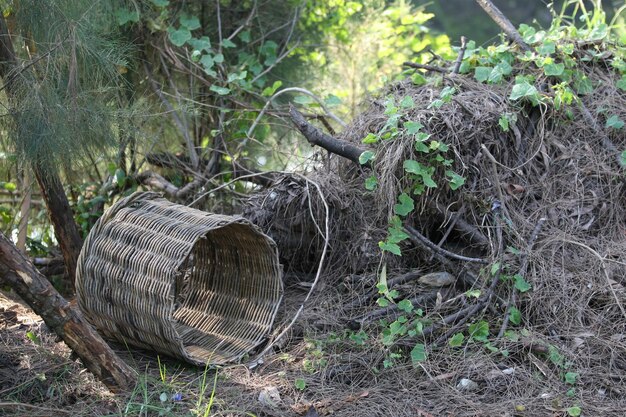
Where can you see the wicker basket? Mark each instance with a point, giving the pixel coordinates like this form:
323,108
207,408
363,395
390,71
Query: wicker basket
202,287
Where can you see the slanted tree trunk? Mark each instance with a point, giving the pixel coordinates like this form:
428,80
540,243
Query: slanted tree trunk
47,177
65,320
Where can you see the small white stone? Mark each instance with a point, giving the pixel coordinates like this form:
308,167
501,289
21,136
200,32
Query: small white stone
269,397
467,385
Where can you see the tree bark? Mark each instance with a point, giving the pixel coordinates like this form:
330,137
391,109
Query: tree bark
62,218
48,179
65,320
319,138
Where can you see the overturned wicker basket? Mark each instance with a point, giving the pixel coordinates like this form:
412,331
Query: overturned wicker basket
202,287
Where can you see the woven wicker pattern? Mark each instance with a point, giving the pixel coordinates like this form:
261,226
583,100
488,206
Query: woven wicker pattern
202,287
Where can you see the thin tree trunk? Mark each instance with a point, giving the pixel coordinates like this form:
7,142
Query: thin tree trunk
22,228
63,319
62,218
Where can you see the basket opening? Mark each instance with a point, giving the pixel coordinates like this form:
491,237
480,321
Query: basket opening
226,294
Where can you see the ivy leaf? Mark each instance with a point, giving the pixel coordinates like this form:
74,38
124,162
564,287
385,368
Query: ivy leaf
269,91
413,167
227,43
456,180
418,353
520,283
621,84
222,91
382,302
413,128
300,384
515,316
479,330
366,156
482,73
390,247
405,205
371,183
553,69
623,159
332,100
570,377
574,411
200,44
406,306
615,122
190,22
126,16
523,89
418,79
218,58
178,36
428,180
407,102
503,121
547,48
456,340
370,139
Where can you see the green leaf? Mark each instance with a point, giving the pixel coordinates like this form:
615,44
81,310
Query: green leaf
503,121
515,316
582,84
418,353
511,335
570,377
413,128
495,267
269,91
574,411
303,99
200,44
382,302
615,122
9,186
406,306
407,102
370,139
33,337
622,158
124,16
222,91
227,43
523,89
482,73
553,69
120,176
236,76
456,340
547,48
473,293
404,206
520,283
418,79
178,36
390,247
160,3
366,156
245,36
190,22
413,167
332,100
371,183
456,181
218,58
621,84
479,330
300,384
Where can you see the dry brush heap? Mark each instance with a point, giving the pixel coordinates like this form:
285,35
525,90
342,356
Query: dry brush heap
506,170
